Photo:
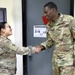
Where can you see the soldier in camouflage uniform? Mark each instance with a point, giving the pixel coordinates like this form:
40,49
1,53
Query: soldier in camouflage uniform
8,50
61,33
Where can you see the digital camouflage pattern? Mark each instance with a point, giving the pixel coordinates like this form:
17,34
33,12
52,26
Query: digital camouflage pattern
61,34
8,52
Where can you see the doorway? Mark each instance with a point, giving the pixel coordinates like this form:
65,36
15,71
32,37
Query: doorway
32,11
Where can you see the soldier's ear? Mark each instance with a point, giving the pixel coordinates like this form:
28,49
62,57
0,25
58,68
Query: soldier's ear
53,9
2,29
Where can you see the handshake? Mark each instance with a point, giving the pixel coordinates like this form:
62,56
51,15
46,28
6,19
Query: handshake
35,49
31,50
38,48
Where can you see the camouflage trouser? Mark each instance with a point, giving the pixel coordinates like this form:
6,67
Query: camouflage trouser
67,70
62,69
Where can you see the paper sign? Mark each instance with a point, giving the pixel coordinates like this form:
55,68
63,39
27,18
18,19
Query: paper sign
39,31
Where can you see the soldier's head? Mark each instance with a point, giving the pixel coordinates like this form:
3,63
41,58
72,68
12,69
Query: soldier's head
5,29
50,10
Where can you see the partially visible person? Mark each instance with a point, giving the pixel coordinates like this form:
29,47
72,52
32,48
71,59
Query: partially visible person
8,51
61,34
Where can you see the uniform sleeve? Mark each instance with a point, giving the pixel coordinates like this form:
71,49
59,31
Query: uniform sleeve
72,29
49,42
12,48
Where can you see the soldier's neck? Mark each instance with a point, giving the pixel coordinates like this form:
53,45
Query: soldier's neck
5,36
56,17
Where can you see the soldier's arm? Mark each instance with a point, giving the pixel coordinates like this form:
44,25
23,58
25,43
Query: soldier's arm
12,48
48,43
72,29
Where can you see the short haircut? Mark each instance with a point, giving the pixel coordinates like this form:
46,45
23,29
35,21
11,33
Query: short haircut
2,25
51,5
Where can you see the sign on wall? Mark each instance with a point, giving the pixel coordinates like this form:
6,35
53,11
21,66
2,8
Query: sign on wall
39,31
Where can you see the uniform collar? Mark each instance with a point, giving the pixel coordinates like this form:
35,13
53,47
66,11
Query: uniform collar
3,37
60,18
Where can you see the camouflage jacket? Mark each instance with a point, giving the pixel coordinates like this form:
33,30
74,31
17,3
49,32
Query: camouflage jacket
61,34
8,52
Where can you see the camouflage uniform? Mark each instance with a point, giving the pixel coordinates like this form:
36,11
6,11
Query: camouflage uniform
8,52
61,34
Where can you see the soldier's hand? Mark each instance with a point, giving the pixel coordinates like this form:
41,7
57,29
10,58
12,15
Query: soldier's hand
37,49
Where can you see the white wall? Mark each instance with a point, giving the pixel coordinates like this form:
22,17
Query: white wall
17,11
74,8
14,18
